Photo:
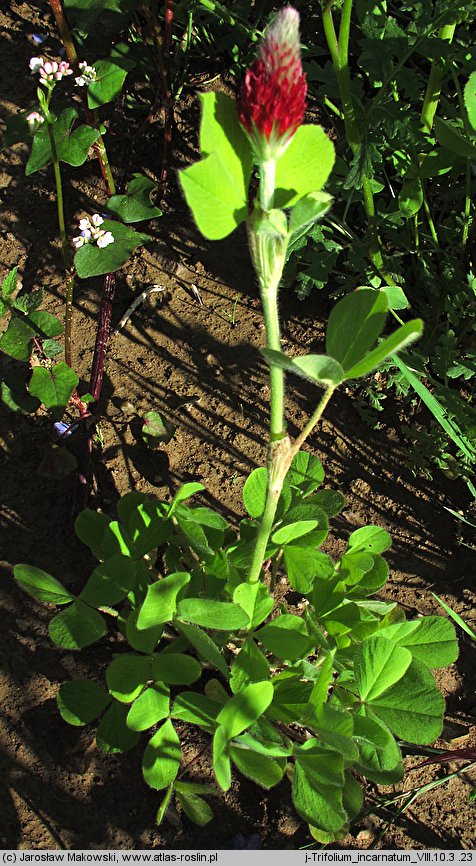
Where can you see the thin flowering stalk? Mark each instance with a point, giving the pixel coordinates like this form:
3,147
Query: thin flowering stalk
67,257
99,146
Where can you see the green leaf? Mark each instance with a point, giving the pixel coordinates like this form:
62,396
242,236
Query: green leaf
308,210
254,491
264,738
221,759
306,472
156,429
72,146
195,808
372,539
255,601
110,581
470,99
175,668
410,198
380,759
196,709
304,167
16,340
378,664
143,640
412,708
431,639
221,132
245,707
317,787
352,796
451,138
16,397
43,324
397,300
303,564
261,769
9,287
291,531
113,735
291,698
108,85
354,325
41,585
76,627
92,261
216,203
28,303
397,341
185,492
161,600
54,386
161,760
145,521
151,707
81,701
91,527
127,676
316,368
335,727
212,614
286,637
205,647
249,666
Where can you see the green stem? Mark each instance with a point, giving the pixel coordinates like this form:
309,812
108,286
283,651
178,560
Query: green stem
431,224
280,456
279,461
269,298
339,51
468,177
67,257
313,420
267,181
435,82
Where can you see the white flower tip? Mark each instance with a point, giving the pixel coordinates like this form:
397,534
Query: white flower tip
35,64
105,239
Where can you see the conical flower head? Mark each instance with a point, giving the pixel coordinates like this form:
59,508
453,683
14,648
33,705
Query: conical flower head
272,100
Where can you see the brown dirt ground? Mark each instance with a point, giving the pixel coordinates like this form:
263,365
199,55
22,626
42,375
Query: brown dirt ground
59,791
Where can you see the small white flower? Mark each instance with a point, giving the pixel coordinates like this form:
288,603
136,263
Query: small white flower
36,63
105,239
88,75
91,233
34,120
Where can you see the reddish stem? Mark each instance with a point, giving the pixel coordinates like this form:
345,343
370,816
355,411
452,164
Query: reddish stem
102,336
168,100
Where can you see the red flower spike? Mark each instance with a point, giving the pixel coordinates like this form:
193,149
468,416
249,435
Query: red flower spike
272,99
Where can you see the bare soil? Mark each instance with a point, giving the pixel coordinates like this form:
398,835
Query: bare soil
200,366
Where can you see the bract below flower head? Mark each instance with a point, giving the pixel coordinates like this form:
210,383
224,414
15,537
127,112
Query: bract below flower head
272,99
